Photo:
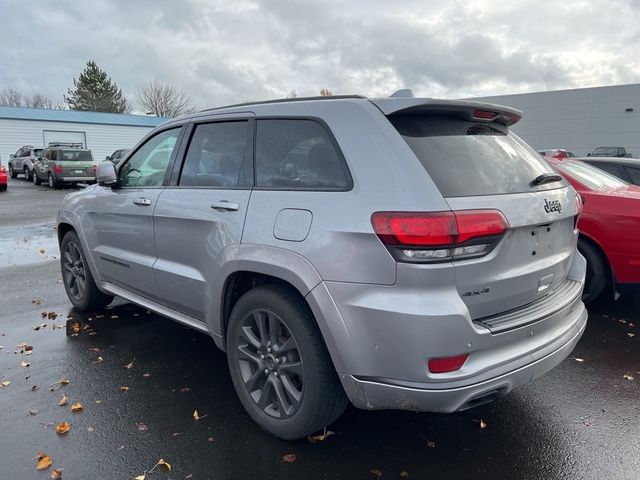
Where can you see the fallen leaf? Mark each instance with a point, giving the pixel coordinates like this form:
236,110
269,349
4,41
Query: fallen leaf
75,327
36,301
321,436
165,464
25,364
196,416
56,473
376,472
33,412
93,333
210,439
431,444
129,365
146,375
42,250
34,388
184,390
579,360
76,407
631,335
140,477
98,360
52,315
630,325
124,389
94,349
44,314
626,376
114,316
404,474
62,428
44,461
64,400
141,426
289,458
91,429
5,383
64,381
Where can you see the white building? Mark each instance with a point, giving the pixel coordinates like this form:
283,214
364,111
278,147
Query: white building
101,132
579,119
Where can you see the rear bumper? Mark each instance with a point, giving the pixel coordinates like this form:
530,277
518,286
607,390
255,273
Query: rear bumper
373,395
77,179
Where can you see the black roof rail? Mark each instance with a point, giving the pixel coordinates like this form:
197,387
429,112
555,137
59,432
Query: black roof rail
285,100
65,144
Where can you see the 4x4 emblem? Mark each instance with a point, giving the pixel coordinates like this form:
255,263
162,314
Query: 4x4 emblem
552,206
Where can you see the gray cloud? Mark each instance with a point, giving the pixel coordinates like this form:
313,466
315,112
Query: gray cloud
225,52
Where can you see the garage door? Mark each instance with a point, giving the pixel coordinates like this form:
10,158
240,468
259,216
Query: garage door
63,136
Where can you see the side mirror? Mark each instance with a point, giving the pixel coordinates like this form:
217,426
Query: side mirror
106,174
588,154
108,157
11,156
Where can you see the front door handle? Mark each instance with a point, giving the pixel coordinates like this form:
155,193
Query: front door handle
143,202
225,205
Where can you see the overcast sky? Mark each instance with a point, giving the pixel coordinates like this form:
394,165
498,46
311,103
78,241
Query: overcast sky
232,51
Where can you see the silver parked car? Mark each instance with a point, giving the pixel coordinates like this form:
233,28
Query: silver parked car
399,253
23,161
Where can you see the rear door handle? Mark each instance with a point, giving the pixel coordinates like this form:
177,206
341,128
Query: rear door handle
143,202
225,205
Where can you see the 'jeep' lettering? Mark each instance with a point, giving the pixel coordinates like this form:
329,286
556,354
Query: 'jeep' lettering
552,206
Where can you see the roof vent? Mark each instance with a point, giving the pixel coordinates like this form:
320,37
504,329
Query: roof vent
404,93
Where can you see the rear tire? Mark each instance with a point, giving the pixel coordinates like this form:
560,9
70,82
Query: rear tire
3,188
76,276
27,174
36,179
52,183
597,271
286,362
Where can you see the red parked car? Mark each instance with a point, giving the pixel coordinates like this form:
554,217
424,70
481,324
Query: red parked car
609,227
3,177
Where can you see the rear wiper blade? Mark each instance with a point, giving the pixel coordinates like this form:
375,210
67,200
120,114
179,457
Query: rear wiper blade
545,178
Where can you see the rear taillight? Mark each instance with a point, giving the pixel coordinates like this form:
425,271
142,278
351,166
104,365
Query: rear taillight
447,364
57,168
94,169
439,236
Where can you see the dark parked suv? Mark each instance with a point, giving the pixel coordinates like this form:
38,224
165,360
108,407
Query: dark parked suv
399,253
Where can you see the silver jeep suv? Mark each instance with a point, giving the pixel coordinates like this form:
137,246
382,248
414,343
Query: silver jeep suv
398,253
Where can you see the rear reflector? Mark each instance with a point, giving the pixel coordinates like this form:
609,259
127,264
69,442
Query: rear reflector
439,236
447,364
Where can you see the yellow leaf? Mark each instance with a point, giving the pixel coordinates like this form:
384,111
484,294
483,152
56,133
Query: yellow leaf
196,416
140,477
56,473
44,461
5,383
62,428
42,250
289,458
164,463
24,364
129,365
124,389
76,407
64,400
64,381
321,436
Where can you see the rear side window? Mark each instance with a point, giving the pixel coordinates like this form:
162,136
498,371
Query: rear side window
216,155
75,156
611,168
298,155
590,176
634,173
467,159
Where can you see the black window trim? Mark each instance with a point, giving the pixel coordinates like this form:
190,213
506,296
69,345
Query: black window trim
334,143
147,138
247,168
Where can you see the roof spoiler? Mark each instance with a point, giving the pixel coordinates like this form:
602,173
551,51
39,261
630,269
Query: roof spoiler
467,110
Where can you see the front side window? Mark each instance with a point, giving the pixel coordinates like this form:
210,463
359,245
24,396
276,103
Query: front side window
147,167
216,155
297,154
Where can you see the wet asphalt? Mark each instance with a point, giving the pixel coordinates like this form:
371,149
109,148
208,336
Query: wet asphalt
580,421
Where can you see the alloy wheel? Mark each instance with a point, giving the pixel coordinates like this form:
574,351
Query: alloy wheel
51,185
270,364
73,270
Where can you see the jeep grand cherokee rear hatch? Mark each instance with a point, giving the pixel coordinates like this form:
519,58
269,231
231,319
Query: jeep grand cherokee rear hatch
519,212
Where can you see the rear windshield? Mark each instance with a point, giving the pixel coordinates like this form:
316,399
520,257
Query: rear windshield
75,155
466,159
590,176
605,151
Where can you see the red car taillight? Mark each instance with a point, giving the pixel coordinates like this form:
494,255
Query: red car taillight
57,168
439,236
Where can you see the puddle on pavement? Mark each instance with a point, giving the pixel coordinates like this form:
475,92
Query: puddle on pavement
27,245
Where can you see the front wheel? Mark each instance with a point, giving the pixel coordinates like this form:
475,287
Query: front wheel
76,276
12,172
280,367
597,271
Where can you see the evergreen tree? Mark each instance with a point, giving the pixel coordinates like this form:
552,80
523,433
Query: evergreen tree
94,91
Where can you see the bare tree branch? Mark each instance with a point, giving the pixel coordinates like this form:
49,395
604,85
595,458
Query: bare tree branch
10,97
164,100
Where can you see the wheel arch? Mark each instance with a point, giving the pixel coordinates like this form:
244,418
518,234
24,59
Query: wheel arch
603,254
